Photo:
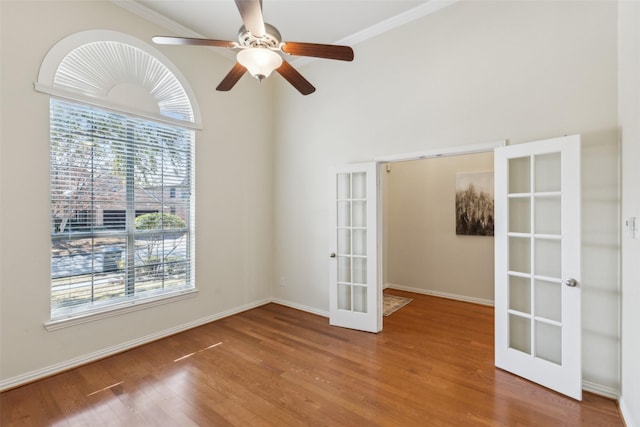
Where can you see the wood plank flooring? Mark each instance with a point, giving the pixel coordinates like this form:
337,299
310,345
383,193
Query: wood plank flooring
432,365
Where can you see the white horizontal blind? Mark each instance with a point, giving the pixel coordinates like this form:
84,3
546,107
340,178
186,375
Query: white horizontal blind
122,212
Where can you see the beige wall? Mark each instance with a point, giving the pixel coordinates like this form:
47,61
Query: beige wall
474,72
423,253
630,124
233,193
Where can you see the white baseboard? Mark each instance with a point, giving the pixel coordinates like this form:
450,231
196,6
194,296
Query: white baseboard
626,414
600,390
110,351
447,295
301,307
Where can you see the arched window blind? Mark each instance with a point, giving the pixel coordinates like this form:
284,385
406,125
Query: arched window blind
121,186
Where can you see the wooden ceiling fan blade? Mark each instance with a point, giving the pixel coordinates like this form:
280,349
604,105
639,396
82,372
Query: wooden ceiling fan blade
232,78
327,51
190,41
295,78
251,13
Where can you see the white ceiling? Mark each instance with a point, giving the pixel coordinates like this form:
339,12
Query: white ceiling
316,21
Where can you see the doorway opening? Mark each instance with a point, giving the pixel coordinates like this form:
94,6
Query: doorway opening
422,251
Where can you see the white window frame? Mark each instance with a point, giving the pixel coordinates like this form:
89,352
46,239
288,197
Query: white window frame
176,107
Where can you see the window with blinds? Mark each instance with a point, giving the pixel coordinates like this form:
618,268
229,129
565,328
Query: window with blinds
118,231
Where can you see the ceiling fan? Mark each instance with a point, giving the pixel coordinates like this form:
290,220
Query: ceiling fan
259,44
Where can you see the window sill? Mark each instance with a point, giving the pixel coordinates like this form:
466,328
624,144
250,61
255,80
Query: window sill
118,309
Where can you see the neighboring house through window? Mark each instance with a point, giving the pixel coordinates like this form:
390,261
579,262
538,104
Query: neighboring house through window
121,145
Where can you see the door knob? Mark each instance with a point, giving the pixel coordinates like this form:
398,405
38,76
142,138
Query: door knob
332,255
571,282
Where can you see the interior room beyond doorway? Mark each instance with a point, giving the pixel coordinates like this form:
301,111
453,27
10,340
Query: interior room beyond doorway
422,252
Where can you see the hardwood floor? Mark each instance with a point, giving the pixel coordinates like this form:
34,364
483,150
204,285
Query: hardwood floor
432,365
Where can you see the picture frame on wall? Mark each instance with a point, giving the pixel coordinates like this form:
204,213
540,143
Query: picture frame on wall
474,204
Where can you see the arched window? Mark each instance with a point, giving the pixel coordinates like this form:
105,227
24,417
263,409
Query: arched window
122,123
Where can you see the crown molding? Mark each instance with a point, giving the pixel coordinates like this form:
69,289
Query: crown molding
156,18
162,21
388,24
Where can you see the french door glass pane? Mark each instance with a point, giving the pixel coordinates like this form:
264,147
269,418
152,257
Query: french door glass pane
548,297
344,214
344,242
549,342
547,172
360,270
520,333
520,254
344,186
520,294
359,185
520,175
359,242
520,215
344,297
344,269
547,215
360,299
548,258
359,214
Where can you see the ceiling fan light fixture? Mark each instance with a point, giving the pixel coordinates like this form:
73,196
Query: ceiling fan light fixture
261,47
259,61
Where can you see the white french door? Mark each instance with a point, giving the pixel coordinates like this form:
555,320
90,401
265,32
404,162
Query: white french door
537,263
354,296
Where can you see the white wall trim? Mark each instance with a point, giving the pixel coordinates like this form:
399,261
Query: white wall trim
600,390
447,295
169,24
156,18
627,415
388,24
399,20
443,152
106,104
57,368
301,307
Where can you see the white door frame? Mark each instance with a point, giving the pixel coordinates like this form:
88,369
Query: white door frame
460,150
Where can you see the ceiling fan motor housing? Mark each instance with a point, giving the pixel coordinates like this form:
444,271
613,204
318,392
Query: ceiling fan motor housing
271,38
